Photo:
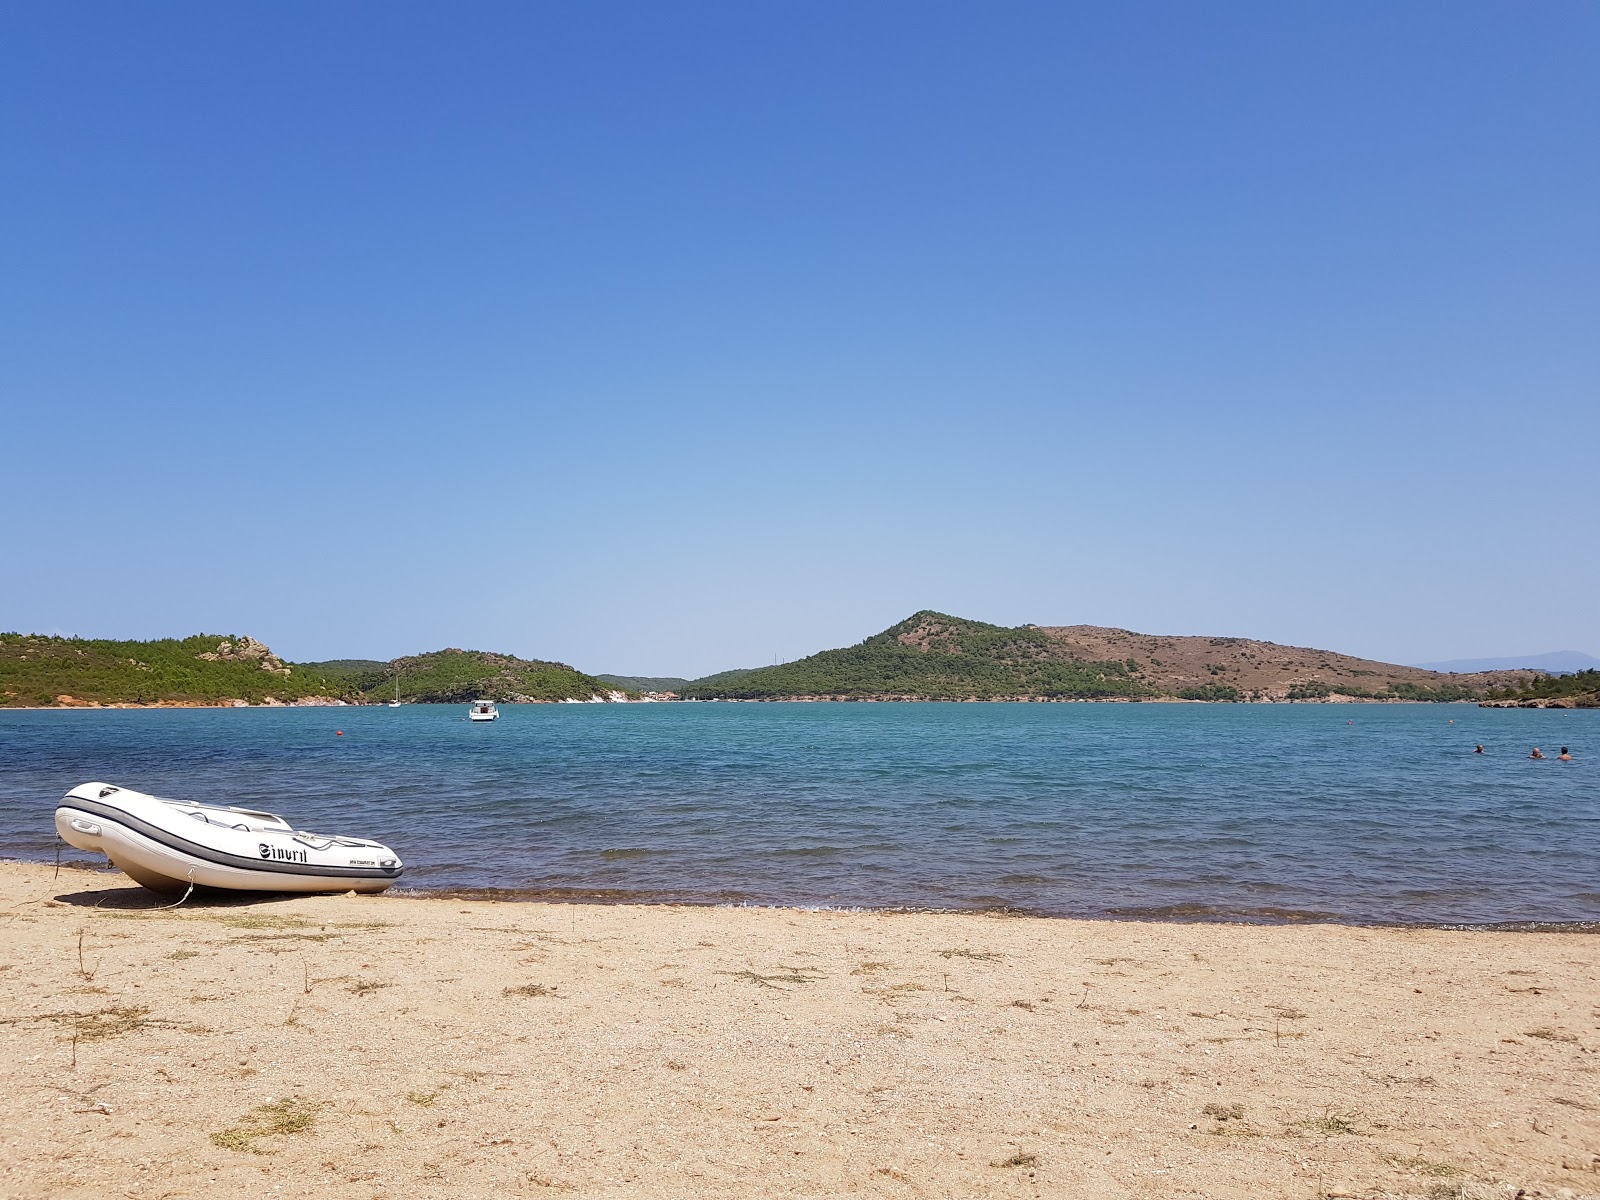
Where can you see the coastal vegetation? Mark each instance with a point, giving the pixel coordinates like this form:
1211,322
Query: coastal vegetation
935,656
1211,691
1443,693
38,670
358,674
461,676
928,656
1578,690
932,656
644,683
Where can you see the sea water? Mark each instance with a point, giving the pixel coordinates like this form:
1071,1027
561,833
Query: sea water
1361,813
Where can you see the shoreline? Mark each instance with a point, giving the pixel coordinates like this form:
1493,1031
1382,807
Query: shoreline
1340,701
370,1047
1185,914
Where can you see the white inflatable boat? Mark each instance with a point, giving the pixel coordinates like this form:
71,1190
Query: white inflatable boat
166,845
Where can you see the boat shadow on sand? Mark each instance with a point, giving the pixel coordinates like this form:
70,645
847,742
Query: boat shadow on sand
133,898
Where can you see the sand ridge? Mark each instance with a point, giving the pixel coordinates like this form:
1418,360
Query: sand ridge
390,1046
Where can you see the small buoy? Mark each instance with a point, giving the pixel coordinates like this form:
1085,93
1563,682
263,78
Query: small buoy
1349,722
338,733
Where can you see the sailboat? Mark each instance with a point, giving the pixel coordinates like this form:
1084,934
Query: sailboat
395,703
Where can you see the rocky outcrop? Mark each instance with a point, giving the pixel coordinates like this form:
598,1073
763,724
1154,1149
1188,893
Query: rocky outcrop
247,649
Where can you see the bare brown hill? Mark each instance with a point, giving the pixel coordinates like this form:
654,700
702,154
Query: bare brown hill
934,656
1264,670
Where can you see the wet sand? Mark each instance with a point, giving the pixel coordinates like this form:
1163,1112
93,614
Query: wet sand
402,1047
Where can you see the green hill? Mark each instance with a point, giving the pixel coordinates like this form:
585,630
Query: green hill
645,683
462,676
1579,690
36,670
932,656
357,673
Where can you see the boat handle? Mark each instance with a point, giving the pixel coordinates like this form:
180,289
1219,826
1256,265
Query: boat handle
83,826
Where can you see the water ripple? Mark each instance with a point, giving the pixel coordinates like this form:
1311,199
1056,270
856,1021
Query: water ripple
1182,812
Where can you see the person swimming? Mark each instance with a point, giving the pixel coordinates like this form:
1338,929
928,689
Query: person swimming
1566,755
1537,753
1479,750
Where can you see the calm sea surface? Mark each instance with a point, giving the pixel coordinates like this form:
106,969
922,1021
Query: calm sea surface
1267,812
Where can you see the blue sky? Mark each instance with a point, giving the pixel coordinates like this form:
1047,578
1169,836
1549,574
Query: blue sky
671,338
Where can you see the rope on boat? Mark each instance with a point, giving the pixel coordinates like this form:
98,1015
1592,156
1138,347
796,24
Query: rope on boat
181,898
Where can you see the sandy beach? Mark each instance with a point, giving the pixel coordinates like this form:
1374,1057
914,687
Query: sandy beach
389,1046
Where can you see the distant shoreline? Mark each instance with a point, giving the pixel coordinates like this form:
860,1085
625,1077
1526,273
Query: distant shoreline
928,658
1324,701
131,706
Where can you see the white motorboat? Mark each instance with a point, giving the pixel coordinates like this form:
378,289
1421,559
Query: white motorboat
483,710
166,845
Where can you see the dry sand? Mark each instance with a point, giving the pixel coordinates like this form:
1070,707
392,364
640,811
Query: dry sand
439,1048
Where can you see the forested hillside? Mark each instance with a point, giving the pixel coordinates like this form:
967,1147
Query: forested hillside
461,676
1580,690
358,674
36,670
644,683
934,656
931,656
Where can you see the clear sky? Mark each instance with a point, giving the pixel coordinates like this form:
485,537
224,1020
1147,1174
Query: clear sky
666,338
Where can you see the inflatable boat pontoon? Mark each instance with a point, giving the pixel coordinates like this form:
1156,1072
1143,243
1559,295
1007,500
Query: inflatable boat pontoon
166,845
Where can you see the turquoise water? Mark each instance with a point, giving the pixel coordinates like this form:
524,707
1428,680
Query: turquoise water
1264,812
